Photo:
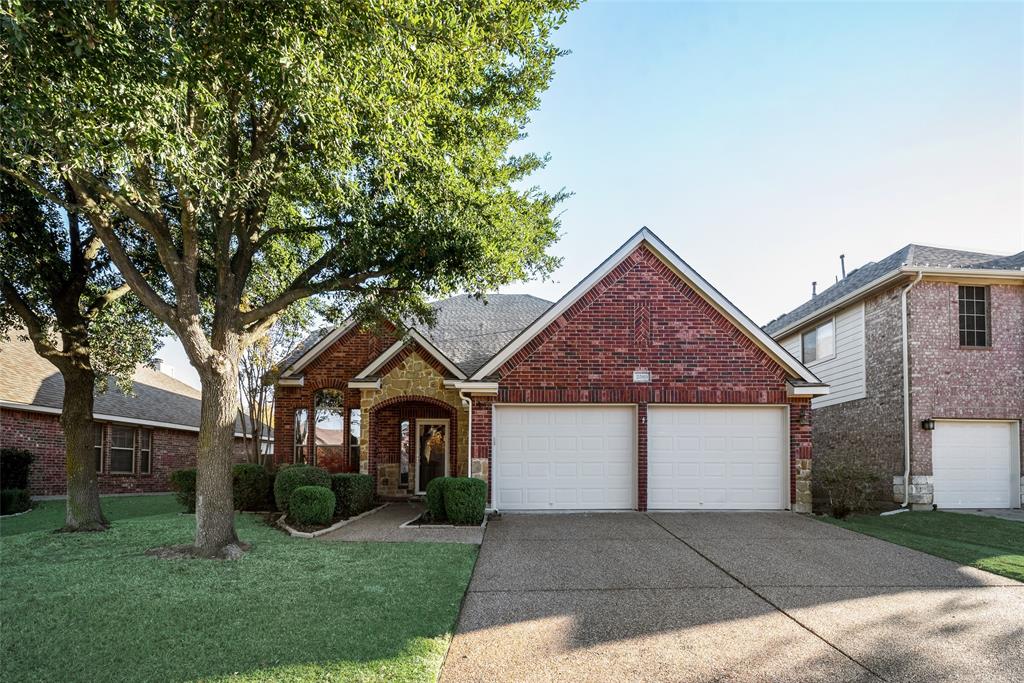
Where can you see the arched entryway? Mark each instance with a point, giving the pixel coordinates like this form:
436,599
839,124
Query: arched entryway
412,440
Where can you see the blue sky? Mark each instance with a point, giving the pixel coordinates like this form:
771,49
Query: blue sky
762,140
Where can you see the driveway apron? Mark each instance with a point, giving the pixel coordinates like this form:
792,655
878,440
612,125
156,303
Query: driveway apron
729,596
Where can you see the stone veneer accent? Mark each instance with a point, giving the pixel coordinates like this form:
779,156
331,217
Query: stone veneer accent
410,379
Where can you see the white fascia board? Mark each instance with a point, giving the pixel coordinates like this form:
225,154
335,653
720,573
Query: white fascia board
684,271
364,384
318,348
968,273
393,350
291,381
819,390
472,387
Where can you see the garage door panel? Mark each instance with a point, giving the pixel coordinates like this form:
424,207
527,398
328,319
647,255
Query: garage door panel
716,458
582,457
973,464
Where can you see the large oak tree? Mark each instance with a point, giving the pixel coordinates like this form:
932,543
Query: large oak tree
58,288
268,152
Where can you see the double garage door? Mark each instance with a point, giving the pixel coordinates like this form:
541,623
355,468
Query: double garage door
584,458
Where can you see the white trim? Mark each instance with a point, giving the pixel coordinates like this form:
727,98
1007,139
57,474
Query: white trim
102,417
685,272
898,274
447,446
393,350
365,384
817,325
291,381
331,337
472,387
800,390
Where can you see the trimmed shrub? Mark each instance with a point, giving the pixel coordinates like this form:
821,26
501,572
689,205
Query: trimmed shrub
354,493
311,505
435,498
464,500
184,484
14,466
250,486
849,483
292,477
13,501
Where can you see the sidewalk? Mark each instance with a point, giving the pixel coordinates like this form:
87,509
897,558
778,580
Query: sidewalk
385,526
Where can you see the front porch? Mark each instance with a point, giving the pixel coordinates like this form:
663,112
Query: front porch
412,429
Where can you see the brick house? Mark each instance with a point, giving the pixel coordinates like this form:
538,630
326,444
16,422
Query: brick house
642,388
950,408
140,438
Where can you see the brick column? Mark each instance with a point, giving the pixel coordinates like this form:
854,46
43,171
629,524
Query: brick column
641,457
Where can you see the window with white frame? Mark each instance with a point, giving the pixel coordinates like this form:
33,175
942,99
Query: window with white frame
819,343
301,435
145,439
97,444
122,450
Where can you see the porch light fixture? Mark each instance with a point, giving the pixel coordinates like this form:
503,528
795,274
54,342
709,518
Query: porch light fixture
928,424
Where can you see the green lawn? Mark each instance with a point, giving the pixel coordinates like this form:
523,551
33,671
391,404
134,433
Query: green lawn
92,607
995,545
49,515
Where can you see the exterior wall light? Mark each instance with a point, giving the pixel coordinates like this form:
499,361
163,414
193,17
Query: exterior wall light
928,424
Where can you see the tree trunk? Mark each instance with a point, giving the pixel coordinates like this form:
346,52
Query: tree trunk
215,510
83,508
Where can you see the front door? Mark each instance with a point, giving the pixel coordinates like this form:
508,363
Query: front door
431,451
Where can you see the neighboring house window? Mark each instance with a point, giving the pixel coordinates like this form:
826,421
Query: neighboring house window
819,343
122,450
301,434
974,317
97,441
145,438
355,430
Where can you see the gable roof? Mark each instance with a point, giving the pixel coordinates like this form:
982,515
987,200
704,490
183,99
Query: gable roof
30,382
467,331
686,273
424,343
910,257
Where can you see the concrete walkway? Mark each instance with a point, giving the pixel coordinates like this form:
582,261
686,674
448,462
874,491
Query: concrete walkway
726,596
386,525
1013,515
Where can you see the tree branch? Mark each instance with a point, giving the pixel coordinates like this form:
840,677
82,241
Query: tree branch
34,325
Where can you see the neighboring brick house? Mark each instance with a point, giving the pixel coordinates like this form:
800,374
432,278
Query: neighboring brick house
965,355
140,438
642,388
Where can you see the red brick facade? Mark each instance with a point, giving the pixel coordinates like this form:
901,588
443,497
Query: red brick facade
332,369
642,315
950,381
41,434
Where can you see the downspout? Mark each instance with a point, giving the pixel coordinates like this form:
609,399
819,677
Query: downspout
906,392
468,402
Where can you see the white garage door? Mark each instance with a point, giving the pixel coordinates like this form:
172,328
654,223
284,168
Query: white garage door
973,464
564,458
708,458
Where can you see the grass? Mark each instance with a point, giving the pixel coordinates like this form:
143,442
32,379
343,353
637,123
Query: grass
49,515
995,545
92,607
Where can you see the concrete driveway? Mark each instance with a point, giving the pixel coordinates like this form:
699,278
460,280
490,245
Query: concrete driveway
725,597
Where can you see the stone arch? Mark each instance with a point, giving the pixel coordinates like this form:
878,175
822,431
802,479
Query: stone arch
378,444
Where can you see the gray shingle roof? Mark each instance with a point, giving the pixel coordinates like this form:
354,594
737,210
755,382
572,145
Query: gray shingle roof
910,255
469,331
27,378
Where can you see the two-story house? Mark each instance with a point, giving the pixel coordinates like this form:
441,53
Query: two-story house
924,353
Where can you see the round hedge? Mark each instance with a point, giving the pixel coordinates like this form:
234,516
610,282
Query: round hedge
465,500
311,505
292,477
